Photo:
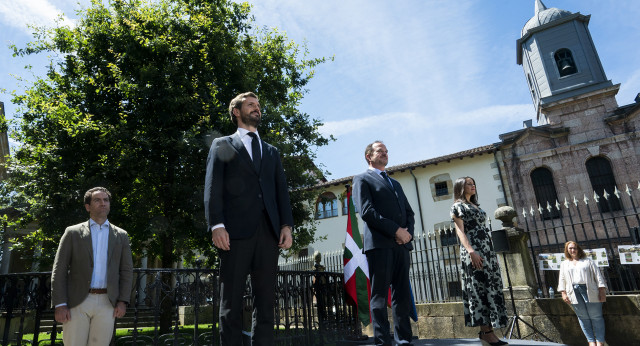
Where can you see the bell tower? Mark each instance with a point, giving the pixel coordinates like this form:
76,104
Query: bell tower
559,59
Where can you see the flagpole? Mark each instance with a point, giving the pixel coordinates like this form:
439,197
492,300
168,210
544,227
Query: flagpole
357,336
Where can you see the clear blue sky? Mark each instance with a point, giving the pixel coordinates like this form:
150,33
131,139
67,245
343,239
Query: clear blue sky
427,77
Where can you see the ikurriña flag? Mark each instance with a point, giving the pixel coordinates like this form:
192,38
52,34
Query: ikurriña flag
356,267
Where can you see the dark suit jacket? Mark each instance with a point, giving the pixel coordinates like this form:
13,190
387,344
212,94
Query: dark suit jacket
382,209
73,266
235,193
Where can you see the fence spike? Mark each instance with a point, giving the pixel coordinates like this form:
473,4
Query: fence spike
606,195
627,190
524,213
531,211
616,192
566,204
540,209
638,184
548,207
586,199
596,198
575,201
557,205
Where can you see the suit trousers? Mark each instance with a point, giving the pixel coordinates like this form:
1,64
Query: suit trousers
258,256
91,322
390,267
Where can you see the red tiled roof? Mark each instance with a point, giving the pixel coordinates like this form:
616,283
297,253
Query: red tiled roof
402,167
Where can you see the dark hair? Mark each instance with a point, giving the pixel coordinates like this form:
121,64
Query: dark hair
369,150
581,253
89,194
237,103
458,191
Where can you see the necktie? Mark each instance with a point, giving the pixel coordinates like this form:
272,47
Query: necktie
386,178
255,151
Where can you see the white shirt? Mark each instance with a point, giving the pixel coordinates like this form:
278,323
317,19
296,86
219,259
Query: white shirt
246,140
377,171
579,272
387,179
100,244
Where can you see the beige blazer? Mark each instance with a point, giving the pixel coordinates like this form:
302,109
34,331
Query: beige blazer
73,266
594,281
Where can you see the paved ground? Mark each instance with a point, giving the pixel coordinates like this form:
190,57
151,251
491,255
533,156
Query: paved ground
511,342
464,342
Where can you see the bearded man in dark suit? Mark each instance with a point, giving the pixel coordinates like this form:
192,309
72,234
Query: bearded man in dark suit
249,215
388,231
92,275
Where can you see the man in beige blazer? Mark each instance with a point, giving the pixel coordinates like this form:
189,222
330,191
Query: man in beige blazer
92,275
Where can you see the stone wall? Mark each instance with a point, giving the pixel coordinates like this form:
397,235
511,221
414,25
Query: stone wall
554,318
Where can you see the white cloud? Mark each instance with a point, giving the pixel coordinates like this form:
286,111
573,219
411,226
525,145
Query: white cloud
493,117
21,13
400,55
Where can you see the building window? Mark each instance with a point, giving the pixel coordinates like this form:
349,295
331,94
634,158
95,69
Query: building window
545,190
441,188
345,205
446,232
448,238
327,206
564,62
602,179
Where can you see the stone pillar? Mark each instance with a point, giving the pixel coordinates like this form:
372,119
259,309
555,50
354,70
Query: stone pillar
518,259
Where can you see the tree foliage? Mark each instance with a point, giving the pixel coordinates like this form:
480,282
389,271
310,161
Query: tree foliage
134,94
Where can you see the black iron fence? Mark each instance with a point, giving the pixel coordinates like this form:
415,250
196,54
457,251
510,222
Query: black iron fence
180,307
435,266
594,222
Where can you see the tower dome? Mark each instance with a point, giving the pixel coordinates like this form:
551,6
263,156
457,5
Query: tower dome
543,16
559,59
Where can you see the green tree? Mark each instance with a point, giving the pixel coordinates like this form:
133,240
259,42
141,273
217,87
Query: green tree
134,95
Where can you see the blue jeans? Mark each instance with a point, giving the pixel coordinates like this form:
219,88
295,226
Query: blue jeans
589,315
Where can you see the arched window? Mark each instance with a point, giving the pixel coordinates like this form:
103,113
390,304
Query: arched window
545,190
345,205
327,206
602,179
565,63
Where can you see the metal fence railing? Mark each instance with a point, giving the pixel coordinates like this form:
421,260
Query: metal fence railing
311,309
596,222
593,221
434,271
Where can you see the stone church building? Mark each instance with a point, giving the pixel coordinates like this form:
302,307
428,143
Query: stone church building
584,141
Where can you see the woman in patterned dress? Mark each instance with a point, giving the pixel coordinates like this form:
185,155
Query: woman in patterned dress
482,297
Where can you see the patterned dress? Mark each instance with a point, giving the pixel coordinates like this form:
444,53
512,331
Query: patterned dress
482,295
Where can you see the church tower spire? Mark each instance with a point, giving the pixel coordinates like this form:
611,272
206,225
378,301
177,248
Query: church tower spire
559,58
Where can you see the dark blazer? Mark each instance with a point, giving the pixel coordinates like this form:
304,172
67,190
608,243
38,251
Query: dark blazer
235,193
382,209
73,266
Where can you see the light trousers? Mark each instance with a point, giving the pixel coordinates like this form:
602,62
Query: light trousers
91,322
589,315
